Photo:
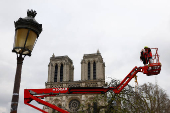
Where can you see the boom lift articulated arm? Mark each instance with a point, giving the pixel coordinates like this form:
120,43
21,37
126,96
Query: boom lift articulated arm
38,94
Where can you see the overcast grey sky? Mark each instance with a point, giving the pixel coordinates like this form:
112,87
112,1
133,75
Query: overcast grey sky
118,28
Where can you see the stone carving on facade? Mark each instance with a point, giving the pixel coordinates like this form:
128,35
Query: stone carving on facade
82,61
74,105
53,55
59,64
52,64
91,61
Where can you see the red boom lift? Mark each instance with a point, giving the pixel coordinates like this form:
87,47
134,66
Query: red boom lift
37,94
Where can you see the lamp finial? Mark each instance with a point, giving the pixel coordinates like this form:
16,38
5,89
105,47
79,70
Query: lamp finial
31,13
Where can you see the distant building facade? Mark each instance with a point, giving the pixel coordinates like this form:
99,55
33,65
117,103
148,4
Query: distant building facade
61,75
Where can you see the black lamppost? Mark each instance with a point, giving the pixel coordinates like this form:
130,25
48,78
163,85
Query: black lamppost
27,31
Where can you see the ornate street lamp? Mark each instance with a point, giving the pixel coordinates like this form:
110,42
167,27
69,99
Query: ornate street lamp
27,31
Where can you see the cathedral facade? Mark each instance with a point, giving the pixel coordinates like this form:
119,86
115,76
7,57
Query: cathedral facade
61,75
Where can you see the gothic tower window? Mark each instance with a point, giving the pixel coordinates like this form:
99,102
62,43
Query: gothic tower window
61,73
94,71
88,70
56,72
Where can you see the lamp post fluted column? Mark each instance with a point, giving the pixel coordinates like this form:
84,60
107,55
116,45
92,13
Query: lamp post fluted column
15,96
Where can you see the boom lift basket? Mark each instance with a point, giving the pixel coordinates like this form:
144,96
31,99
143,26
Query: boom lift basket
154,67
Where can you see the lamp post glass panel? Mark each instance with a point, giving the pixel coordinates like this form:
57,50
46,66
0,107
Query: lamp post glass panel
23,43
27,31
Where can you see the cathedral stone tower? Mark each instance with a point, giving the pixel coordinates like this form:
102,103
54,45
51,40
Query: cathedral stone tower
60,69
92,67
61,75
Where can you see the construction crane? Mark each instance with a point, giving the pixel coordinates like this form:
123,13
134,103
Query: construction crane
37,94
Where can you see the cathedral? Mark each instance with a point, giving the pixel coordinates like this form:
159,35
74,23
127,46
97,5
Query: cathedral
61,75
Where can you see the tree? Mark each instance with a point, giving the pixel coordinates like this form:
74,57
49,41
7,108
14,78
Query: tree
154,99
150,98
111,102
